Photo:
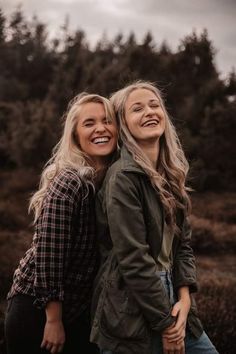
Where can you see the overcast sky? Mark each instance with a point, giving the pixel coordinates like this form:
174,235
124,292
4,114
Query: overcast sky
169,20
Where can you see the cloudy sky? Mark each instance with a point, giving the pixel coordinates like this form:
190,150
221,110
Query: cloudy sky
169,20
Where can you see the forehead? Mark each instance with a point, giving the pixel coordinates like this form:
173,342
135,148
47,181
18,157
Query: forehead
91,109
140,95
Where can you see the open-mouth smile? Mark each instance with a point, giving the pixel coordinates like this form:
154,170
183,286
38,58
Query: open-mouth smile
150,123
101,140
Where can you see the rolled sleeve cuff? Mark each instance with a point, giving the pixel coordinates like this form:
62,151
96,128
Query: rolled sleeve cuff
191,283
43,297
163,324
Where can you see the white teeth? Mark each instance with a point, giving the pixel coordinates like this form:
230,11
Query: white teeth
150,122
101,140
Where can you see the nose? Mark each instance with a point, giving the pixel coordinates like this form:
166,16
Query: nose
149,110
100,128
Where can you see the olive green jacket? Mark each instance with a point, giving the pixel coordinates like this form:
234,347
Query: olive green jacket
129,300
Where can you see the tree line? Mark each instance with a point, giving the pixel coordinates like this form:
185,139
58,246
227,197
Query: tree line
38,77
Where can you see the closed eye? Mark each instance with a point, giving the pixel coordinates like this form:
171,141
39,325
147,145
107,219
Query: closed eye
137,109
88,122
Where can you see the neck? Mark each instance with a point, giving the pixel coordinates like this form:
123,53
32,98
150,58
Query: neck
99,177
100,165
151,150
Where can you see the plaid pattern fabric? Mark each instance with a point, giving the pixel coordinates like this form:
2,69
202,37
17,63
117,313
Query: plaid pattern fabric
62,261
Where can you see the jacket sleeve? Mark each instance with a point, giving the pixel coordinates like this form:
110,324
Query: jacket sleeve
138,268
184,269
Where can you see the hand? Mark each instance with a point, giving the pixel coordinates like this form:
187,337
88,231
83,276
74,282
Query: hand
176,332
53,337
172,347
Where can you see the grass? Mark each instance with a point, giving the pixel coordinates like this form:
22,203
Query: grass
215,299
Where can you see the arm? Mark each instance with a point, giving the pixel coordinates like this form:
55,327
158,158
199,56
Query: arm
184,275
176,332
54,231
53,247
184,268
173,337
54,334
138,268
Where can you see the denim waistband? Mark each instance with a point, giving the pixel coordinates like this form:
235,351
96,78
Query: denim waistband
166,278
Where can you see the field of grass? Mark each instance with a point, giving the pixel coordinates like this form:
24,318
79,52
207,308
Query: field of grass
214,242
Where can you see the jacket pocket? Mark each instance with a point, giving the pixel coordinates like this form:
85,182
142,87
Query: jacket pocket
121,316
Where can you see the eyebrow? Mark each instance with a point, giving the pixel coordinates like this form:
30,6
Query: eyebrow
91,119
140,103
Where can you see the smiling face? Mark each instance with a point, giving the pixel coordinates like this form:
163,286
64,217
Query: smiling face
96,133
144,116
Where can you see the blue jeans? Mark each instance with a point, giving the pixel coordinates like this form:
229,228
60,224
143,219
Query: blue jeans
201,345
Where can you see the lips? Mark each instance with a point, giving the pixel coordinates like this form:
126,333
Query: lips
101,140
150,122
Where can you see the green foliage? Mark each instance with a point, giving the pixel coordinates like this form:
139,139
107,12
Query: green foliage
39,76
33,128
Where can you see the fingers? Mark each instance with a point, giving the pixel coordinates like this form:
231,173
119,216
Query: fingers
174,334
177,336
178,340
175,310
52,348
178,327
56,349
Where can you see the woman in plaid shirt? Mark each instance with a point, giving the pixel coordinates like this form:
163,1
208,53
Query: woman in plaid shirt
48,303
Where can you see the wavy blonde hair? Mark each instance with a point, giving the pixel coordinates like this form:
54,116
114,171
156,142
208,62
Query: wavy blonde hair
169,177
67,153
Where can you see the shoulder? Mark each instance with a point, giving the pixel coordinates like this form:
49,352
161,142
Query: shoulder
118,171
67,184
119,182
114,174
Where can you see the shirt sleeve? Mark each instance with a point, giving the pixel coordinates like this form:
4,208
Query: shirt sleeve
184,268
54,241
128,234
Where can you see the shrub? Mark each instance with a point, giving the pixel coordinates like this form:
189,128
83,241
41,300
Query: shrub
217,308
210,237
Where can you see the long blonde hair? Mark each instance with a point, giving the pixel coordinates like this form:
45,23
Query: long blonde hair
169,177
67,153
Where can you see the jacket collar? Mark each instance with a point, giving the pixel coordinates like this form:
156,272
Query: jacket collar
128,163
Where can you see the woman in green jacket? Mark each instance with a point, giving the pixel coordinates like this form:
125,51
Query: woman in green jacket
142,301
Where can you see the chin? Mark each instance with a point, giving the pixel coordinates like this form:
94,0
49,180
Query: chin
103,153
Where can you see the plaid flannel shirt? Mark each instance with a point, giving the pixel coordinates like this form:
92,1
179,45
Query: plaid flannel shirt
62,261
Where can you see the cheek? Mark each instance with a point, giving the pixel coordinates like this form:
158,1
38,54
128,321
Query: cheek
112,127
133,127
81,138
128,123
115,132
